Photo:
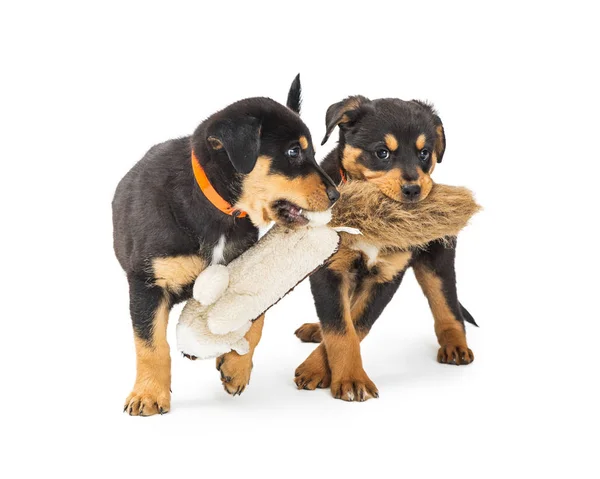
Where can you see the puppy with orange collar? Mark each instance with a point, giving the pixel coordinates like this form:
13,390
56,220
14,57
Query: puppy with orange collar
199,200
395,145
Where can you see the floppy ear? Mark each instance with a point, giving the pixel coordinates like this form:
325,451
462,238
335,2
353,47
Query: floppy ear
294,99
344,113
440,140
240,138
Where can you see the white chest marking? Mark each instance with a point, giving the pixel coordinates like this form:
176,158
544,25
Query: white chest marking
370,250
218,251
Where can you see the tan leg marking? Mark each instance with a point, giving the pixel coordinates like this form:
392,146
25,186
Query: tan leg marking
151,393
314,372
174,272
449,331
236,369
309,333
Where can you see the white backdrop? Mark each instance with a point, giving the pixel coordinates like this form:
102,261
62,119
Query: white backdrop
87,89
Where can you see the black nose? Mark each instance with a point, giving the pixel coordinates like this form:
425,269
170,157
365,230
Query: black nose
333,194
411,192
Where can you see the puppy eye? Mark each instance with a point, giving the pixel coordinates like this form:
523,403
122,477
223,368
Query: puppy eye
293,152
383,153
424,154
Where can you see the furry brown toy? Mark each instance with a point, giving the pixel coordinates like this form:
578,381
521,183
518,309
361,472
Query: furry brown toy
388,224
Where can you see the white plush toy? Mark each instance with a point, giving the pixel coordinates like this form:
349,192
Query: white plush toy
228,298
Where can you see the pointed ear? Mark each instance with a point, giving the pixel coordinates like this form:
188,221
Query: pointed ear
440,140
294,99
344,113
240,138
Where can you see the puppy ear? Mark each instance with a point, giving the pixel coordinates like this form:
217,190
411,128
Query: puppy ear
240,138
344,113
440,140
294,99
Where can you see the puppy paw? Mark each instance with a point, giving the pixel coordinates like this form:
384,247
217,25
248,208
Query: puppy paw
235,372
455,354
312,374
354,388
309,333
148,400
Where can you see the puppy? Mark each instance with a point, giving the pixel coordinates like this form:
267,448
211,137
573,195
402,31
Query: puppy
199,200
395,145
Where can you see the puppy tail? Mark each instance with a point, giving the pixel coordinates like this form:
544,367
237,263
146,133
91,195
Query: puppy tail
467,316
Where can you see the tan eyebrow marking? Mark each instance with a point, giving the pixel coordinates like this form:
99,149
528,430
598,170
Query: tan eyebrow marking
391,142
420,141
303,142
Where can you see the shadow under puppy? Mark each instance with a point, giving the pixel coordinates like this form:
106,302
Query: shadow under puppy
198,200
395,145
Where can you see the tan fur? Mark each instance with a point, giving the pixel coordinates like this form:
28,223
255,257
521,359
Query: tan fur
303,142
261,188
151,392
449,331
350,162
426,184
420,143
391,142
174,272
439,141
314,372
235,369
389,182
349,381
392,225
433,162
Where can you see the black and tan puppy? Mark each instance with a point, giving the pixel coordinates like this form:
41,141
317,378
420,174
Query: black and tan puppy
395,145
198,200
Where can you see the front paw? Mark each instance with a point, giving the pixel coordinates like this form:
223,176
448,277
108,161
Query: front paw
312,374
354,387
148,400
457,354
235,371
309,333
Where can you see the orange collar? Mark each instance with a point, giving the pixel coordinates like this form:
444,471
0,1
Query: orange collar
343,175
210,193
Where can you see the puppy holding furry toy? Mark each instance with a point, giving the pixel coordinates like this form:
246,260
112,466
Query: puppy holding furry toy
394,146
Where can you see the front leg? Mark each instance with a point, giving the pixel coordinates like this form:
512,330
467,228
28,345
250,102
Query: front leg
235,369
150,307
331,287
368,302
434,270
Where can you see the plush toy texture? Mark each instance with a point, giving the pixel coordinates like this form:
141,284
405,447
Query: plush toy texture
388,224
227,299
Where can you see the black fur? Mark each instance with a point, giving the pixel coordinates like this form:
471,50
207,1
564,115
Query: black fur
294,99
159,210
364,125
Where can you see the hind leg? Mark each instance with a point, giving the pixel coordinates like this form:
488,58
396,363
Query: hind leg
434,270
150,307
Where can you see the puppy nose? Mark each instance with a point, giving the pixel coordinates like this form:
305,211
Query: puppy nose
333,194
411,192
